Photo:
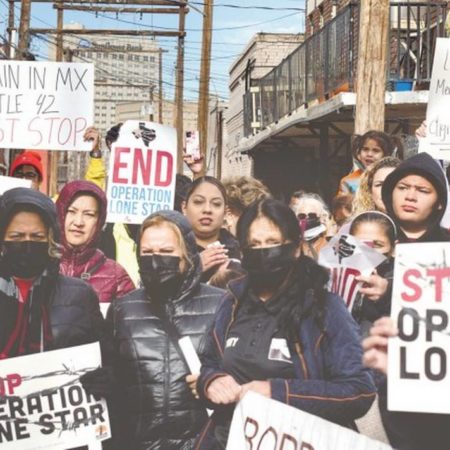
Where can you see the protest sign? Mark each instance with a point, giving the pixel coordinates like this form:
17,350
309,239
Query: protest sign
347,258
45,105
437,142
418,357
43,405
142,171
266,424
7,183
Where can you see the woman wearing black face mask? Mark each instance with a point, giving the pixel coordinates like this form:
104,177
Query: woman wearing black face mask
157,407
39,309
280,333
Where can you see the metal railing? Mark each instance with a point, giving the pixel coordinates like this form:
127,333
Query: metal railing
325,63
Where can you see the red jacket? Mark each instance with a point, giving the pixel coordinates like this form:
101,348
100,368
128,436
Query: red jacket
108,278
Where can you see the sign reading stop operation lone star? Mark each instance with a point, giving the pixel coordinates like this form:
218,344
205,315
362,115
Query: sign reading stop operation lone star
45,105
419,357
44,406
142,172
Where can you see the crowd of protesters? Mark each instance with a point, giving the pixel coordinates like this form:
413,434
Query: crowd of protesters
234,269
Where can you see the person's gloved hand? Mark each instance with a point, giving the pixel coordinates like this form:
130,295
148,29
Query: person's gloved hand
99,382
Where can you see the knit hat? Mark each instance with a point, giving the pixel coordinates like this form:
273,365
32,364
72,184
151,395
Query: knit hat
29,158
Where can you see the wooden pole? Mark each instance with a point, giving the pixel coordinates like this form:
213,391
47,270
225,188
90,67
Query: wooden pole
24,29
372,65
179,90
205,69
54,155
160,82
10,51
219,141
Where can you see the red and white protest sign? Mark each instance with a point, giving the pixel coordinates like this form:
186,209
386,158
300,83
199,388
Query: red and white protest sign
43,404
419,357
142,171
45,105
262,423
347,258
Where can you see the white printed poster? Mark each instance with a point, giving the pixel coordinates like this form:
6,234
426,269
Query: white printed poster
45,105
7,183
348,258
437,142
43,404
142,170
265,424
418,357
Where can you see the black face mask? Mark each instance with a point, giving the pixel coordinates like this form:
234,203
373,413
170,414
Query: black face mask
268,267
160,275
25,259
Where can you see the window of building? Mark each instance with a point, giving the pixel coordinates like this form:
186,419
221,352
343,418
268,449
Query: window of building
121,56
130,57
114,56
146,58
321,16
152,59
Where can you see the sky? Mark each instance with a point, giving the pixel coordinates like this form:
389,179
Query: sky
232,29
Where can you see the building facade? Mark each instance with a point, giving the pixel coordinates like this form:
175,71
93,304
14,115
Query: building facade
260,56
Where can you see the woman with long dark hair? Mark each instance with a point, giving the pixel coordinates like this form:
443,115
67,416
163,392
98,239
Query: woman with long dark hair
279,332
205,207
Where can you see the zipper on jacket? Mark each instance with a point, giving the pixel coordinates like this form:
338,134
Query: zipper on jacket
167,372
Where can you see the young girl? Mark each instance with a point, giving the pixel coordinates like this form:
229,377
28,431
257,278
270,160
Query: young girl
368,195
377,230
368,149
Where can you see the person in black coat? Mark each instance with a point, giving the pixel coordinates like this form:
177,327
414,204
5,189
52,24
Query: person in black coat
39,309
415,196
157,409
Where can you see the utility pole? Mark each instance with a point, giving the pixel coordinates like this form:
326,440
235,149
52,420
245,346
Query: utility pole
205,69
179,89
24,29
372,65
219,127
54,155
10,52
160,82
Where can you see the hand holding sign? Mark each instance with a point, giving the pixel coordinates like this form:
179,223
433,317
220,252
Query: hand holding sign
375,346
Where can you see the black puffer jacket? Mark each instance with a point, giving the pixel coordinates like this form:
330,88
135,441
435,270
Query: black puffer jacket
156,407
70,304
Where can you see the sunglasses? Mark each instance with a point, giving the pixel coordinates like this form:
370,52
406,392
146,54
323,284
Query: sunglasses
303,216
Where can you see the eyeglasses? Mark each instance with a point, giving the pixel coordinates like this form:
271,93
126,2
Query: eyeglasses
303,216
26,175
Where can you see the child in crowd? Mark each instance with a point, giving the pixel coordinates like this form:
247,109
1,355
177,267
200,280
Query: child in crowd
367,149
377,230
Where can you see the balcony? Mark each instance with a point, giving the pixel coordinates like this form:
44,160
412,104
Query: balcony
325,64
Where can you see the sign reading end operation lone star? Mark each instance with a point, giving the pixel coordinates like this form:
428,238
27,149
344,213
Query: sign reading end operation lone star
142,172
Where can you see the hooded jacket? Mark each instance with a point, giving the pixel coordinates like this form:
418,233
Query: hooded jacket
60,311
157,408
424,165
108,278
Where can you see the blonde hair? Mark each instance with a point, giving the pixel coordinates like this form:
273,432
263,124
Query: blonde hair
158,221
243,191
363,200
